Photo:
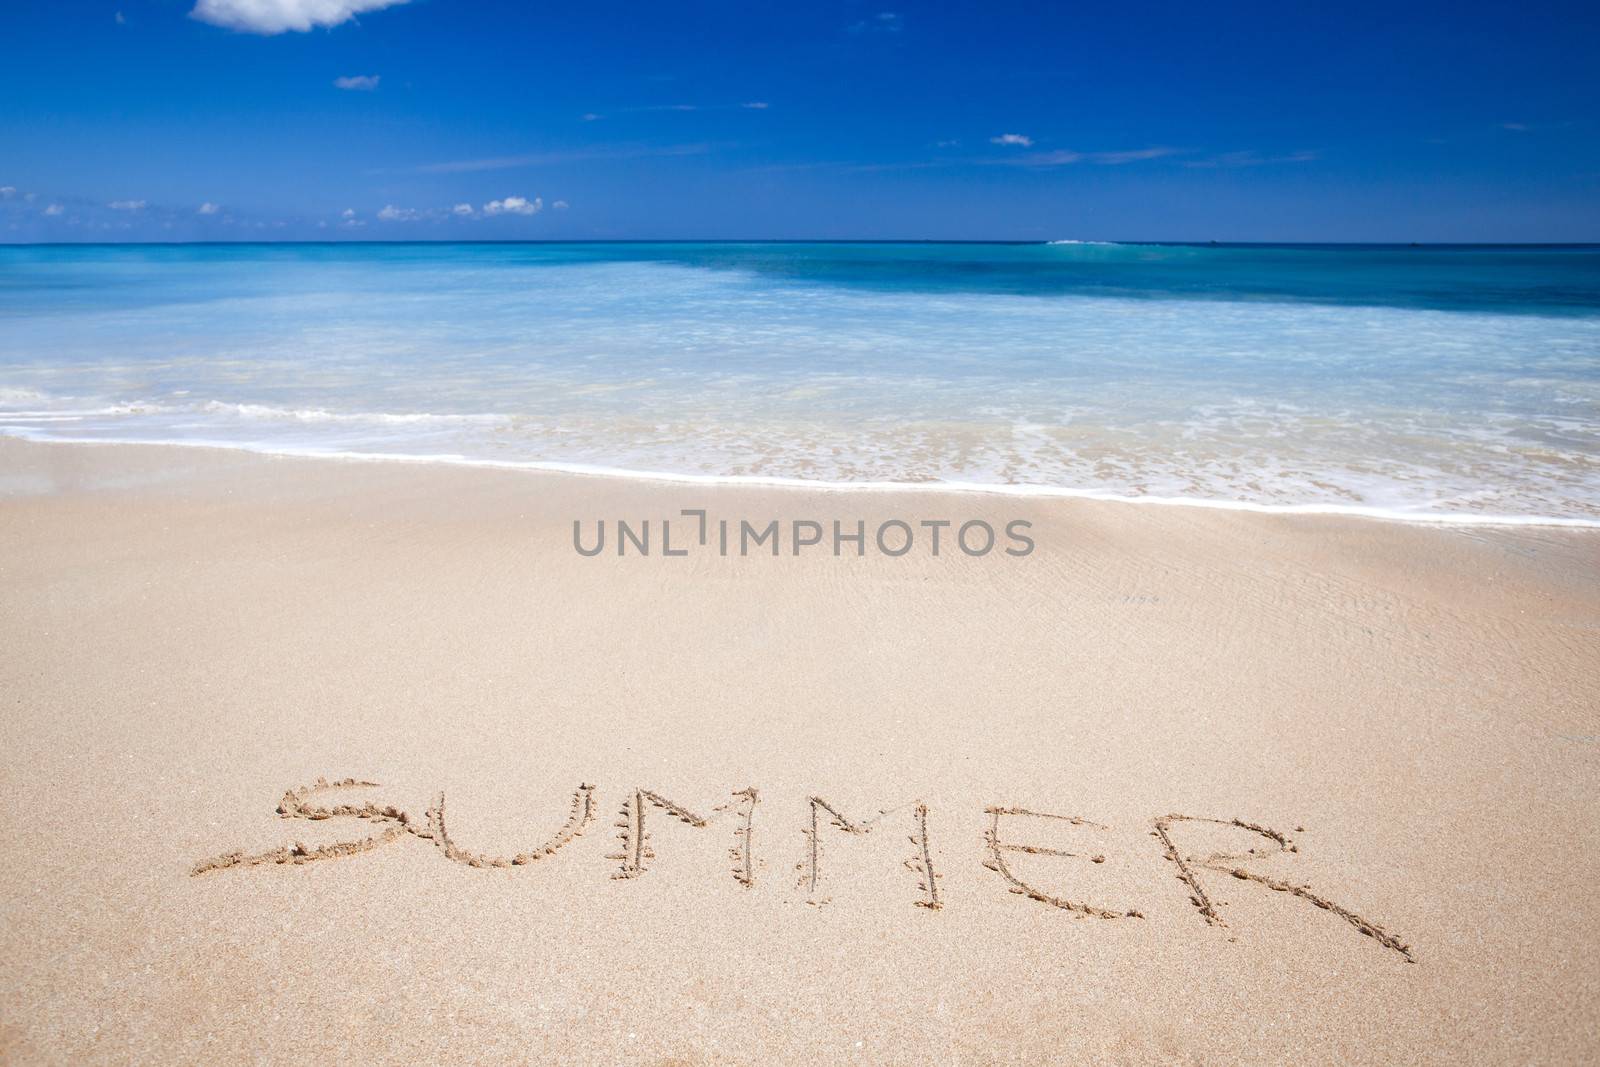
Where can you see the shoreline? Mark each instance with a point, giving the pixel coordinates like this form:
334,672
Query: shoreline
1024,492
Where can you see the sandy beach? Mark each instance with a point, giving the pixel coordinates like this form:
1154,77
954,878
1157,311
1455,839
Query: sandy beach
1178,785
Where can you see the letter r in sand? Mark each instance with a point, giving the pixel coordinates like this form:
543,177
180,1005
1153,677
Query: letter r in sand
1225,863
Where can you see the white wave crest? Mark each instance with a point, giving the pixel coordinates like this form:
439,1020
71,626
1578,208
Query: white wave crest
408,418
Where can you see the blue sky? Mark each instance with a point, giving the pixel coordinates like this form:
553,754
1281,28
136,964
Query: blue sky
437,119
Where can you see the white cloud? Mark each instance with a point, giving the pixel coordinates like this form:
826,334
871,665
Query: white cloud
54,210
464,210
126,205
348,213
757,105
1019,140
7,192
361,83
560,205
514,205
207,208
390,213
591,116
275,16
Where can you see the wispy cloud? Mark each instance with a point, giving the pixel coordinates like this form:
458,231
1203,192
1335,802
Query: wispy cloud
390,213
7,192
54,209
681,108
1016,140
207,208
1535,127
560,205
514,205
126,205
1135,155
753,105
1066,157
463,210
1476,134
1056,158
882,22
1252,158
271,17
360,83
557,158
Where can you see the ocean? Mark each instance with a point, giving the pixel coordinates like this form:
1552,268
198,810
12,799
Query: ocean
1447,383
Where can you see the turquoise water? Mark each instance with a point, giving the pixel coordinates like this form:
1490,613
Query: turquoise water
1438,382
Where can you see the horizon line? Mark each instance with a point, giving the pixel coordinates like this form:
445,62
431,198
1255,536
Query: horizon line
803,240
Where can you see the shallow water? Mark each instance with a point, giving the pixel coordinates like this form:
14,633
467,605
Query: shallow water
1426,382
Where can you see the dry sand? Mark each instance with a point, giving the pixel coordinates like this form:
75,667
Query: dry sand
186,634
